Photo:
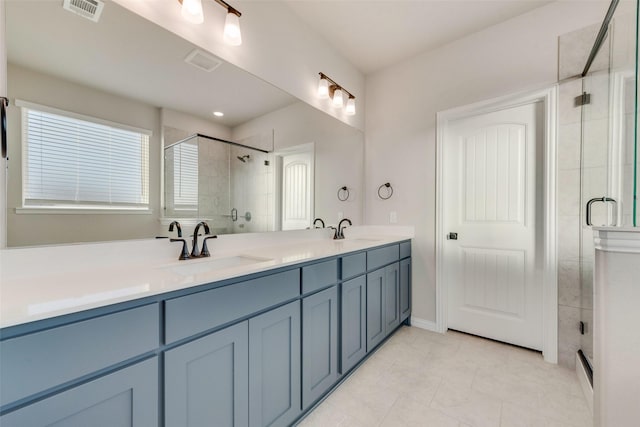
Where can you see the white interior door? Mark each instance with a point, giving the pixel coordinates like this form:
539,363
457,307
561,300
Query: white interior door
492,271
297,190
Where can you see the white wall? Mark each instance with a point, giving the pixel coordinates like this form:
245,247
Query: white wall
402,102
338,155
276,46
191,124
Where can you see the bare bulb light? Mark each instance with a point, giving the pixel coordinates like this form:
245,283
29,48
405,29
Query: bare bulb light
351,106
192,11
323,88
232,34
337,98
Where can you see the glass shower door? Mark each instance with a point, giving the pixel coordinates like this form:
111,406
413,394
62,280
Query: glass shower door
608,143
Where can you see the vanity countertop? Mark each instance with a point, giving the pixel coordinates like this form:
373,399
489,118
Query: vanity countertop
45,282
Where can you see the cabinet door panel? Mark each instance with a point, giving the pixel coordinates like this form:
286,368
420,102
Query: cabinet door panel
405,289
125,398
274,366
354,317
375,308
207,380
320,344
391,298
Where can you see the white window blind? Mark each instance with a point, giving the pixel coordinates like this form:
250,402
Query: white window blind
185,177
71,162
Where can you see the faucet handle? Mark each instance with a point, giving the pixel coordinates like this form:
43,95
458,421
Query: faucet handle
335,232
205,250
185,252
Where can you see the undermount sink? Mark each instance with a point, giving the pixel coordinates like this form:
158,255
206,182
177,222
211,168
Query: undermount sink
193,267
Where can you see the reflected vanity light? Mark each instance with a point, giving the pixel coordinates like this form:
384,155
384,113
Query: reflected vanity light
192,12
328,88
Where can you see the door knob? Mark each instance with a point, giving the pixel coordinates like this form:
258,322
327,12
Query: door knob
452,236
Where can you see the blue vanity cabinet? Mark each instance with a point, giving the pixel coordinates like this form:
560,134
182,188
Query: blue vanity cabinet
383,294
375,308
274,366
320,344
207,380
405,289
124,398
391,298
353,310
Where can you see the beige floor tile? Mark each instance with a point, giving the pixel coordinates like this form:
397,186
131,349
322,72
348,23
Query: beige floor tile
411,413
520,416
420,378
469,406
507,387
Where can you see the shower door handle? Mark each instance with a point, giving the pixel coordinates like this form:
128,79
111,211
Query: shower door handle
604,199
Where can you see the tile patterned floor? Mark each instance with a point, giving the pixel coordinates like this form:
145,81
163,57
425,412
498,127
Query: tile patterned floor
423,379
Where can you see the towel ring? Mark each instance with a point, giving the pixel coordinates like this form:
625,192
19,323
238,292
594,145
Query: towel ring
389,191
343,193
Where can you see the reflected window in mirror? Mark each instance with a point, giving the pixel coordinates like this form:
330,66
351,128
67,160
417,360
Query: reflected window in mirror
73,161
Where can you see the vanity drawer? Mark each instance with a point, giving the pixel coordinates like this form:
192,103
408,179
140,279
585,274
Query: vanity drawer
353,265
320,275
191,314
383,256
405,250
39,361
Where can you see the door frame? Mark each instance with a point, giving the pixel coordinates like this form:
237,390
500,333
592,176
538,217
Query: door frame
548,97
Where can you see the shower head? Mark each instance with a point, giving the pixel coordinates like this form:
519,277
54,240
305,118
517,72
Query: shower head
244,158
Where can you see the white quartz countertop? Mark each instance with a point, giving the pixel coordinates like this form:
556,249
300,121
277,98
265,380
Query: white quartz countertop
41,283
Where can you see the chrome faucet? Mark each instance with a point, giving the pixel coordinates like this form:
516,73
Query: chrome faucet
195,252
177,224
321,222
340,231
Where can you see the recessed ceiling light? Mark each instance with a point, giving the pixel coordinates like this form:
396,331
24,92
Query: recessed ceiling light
218,114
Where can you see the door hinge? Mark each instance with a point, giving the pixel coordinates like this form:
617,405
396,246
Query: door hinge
583,99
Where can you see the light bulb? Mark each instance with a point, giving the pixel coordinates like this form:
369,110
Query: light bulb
232,34
192,11
351,106
323,88
337,98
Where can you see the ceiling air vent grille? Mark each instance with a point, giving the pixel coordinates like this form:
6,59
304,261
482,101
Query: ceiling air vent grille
90,9
202,60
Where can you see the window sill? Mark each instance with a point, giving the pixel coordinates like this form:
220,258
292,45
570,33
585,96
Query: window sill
30,210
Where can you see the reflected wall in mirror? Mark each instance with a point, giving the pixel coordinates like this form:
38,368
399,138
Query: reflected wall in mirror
130,72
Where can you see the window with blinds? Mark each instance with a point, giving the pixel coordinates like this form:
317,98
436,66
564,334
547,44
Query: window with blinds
185,176
79,163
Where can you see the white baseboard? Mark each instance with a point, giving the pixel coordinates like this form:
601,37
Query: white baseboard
585,384
424,324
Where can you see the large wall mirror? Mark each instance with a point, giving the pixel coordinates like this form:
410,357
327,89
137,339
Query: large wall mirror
146,97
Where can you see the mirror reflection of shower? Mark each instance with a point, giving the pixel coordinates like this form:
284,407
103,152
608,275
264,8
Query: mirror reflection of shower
244,158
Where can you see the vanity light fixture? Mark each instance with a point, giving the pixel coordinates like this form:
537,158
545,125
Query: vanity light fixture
192,12
218,113
328,88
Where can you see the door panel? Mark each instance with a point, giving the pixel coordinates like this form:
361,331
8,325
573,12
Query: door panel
320,346
354,316
128,397
274,366
492,201
391,298
207,382
375,308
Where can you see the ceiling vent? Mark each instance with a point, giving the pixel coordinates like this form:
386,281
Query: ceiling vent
202,60
90,9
